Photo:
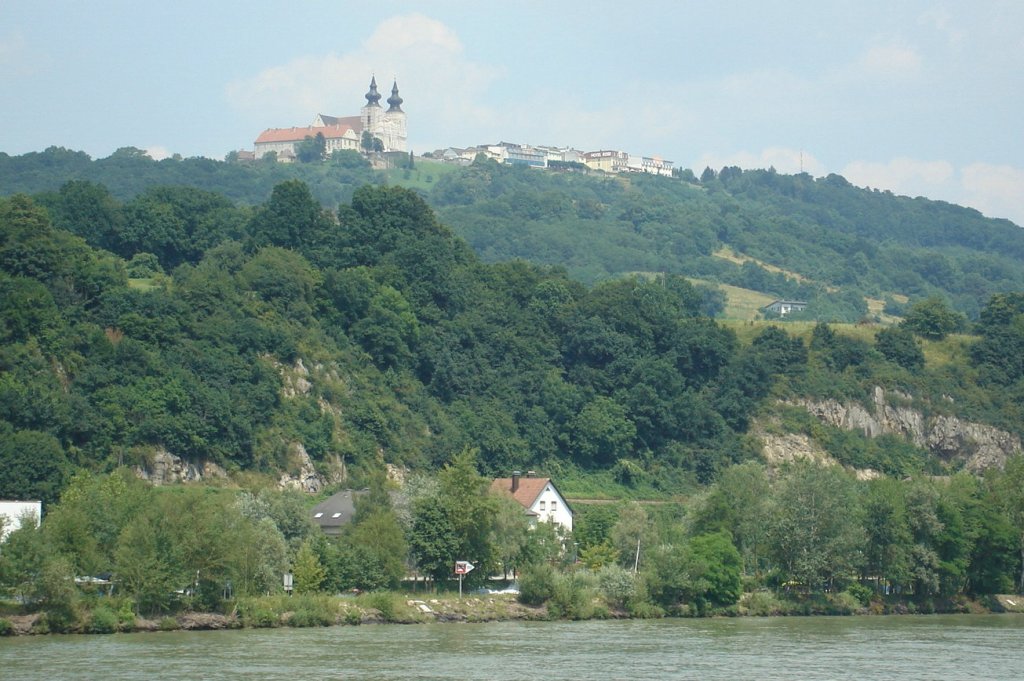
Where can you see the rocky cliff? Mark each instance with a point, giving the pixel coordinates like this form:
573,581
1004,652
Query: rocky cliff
975,445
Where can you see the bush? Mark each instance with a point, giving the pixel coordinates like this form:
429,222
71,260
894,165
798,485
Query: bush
103,620
313,611
645,610
618,585
843,603
258,613
384,602
125,616
761,604
353,616
862,593
6,628
573,596
169,624
536,584
310,617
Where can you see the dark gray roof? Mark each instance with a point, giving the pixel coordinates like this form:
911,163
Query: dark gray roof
335,511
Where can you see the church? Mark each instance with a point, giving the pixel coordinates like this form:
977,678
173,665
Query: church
344,132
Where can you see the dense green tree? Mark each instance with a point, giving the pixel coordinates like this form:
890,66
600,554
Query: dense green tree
737,503
889,541
933,319
718,566
456,523
601,432
308,572
898,345
32,466
312,148
815,532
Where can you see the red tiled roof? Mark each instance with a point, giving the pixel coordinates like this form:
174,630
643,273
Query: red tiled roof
299,134
529,489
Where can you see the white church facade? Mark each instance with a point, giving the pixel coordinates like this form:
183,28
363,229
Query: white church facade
387,126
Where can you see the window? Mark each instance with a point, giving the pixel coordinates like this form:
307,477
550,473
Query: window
554,506
318,514
542,505
336,515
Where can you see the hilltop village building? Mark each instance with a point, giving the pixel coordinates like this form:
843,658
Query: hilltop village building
343,132
389,126
609,161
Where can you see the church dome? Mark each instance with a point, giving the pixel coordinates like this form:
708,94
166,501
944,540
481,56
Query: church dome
394,100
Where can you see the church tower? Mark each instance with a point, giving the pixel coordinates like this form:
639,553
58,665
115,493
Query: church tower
395,133
371,114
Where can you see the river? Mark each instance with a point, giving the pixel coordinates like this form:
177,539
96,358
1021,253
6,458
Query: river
947,648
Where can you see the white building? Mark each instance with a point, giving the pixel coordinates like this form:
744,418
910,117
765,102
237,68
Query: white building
538,496
343,132
13,513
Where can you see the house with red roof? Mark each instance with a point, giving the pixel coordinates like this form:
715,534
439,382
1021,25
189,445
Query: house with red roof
538,496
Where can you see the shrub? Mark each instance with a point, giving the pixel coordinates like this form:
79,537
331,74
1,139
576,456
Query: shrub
309,617
761,604
353,616
384,602
645,610
313,611
862,593
126,616
843,603
573,596
618,585
169,624
536,584
6,628
103,620
258,613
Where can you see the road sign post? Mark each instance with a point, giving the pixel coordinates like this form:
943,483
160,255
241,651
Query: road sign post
462,568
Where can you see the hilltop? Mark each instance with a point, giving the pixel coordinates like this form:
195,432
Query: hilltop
852,253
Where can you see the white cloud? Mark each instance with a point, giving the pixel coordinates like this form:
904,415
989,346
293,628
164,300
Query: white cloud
158,153
902,175
995,190
891,61
441,87
940,19
14,56
784,160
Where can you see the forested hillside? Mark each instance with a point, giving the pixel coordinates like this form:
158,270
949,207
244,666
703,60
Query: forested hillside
179,320
792,236
176,321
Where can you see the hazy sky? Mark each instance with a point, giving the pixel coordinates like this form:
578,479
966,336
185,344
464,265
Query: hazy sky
924,98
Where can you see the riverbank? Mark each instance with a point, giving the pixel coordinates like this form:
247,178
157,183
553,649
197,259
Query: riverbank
394,608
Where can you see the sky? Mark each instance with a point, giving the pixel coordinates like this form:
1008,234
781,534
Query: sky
924,98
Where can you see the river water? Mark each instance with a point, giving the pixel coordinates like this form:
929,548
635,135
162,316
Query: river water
946,648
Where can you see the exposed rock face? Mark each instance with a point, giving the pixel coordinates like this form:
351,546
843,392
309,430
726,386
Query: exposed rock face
783,449
294,379
977,445
165,468
779,450
306,479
